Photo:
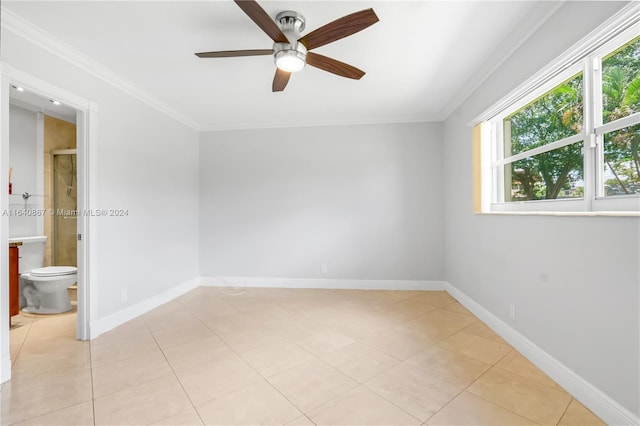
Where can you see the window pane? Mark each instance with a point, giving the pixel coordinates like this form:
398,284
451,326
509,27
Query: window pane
622,161
621,82
551,175
554,116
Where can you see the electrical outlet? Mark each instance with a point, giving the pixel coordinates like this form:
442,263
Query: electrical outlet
323,268
124,295
512,311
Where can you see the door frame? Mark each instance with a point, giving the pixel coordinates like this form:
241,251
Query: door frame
86,133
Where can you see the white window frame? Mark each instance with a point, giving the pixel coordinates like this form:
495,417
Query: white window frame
585,57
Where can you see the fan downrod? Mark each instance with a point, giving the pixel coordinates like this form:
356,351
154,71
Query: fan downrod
291,22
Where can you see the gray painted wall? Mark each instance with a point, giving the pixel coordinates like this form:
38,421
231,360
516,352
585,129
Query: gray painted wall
146,163
574,280
364,200
23,152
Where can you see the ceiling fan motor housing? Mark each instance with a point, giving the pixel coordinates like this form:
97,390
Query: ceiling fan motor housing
290,56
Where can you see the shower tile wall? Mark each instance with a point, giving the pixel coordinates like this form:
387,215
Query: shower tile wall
58,134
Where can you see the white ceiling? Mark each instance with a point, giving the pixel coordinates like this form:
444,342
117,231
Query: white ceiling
422,59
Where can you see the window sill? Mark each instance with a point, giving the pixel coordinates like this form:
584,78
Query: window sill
562,213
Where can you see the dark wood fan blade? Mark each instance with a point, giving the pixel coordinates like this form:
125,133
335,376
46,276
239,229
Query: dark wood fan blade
340,28
334,66
234,53
262,19
280,80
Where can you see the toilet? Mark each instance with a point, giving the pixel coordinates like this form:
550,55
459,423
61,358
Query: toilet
43,290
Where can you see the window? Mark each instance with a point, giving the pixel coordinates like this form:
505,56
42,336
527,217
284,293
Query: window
569,140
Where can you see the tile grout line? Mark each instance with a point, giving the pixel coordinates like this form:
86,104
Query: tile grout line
23,340
93,397
265,379
176,375
468,386
565,410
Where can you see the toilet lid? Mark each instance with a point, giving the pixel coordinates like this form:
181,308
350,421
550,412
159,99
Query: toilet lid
51,271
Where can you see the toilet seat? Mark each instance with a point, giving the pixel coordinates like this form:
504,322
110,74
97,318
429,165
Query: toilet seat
54,271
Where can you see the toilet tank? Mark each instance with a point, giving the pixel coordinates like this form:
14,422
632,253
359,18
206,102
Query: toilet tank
31,252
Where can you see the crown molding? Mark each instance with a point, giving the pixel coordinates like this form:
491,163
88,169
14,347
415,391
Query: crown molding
34,34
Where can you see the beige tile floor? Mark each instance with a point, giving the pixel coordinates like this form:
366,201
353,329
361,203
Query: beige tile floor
280,356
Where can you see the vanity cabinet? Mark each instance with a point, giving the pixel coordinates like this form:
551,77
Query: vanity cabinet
14,280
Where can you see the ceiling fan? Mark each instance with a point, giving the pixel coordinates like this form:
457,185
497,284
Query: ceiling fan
292,52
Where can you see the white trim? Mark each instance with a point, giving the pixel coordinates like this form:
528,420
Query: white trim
17,25
593,398
621,21
555,205
540,150
570,213
40,169
5,353
127,314
612,126
86,154
322,283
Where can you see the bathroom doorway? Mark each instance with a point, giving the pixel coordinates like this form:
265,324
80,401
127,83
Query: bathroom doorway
70,179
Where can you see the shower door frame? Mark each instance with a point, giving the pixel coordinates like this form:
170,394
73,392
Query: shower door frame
86,134
55,197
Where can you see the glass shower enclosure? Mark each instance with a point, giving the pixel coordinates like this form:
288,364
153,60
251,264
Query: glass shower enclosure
65,205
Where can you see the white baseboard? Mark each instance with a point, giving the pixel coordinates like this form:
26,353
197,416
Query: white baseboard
130,312
5,369
322,283
590,396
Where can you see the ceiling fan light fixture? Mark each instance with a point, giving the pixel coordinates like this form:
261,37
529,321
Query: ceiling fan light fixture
290,60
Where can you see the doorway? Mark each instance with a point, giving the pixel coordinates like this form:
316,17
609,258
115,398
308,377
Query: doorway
82,227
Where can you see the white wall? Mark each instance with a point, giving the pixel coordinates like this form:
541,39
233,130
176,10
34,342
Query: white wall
574,280
23,152
364,200
146,163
